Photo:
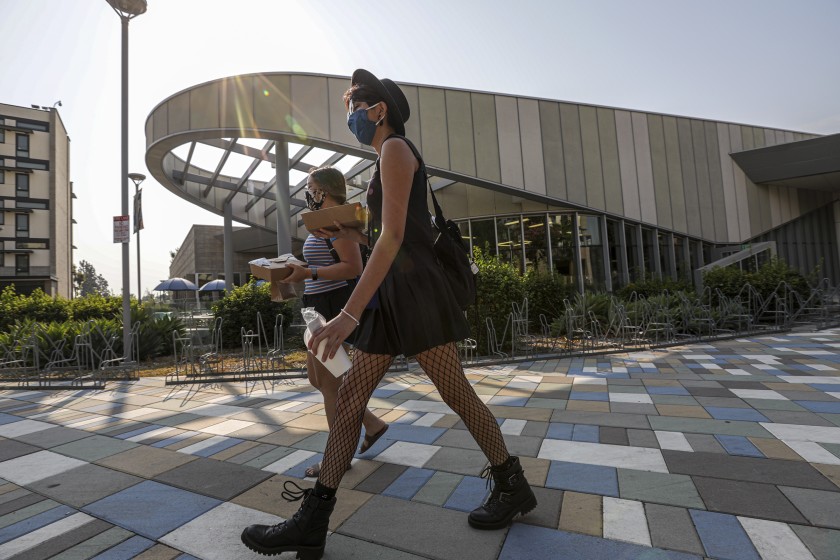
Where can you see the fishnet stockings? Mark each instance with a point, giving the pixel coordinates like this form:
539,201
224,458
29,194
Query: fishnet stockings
443,367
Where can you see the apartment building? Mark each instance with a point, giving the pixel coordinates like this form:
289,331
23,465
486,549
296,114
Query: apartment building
36,201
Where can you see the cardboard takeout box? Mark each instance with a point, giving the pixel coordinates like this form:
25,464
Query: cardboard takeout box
348,215
280,291
274,269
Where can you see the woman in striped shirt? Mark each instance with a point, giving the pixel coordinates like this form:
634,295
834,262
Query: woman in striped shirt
329,280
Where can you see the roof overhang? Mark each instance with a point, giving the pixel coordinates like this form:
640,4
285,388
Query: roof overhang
808,164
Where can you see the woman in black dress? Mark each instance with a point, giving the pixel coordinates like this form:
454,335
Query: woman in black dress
402,304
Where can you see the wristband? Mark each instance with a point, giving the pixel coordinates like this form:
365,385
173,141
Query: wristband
351,317
314,273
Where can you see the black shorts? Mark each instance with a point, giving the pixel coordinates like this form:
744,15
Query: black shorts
329,305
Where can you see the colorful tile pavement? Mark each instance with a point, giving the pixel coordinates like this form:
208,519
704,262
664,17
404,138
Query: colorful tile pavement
725,450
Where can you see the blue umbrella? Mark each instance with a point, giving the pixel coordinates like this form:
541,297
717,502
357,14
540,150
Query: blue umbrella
217,285
176,285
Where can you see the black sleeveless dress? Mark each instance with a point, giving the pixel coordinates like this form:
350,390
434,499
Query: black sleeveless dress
414,308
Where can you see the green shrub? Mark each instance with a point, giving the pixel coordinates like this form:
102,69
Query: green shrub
729,280
498,285
239,309
546,292
767,278
95,306
653,287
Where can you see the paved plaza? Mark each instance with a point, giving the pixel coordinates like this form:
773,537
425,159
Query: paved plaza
727,450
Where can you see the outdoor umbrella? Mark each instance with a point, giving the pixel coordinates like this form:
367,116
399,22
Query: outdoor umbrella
217,285
176,285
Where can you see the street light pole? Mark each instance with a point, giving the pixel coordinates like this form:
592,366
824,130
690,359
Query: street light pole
126,9
138,178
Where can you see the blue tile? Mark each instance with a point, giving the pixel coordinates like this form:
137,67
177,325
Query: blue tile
385,393
137,432
530,541
822,406
173,439
126,549
508,401
589,396
592,479
218,448
746,414
739,445
186,556
827,387
560,430
722,536
8,418
409,483
413,434
299,470
408,417
34,523
468,495
150,508
666,391
583,432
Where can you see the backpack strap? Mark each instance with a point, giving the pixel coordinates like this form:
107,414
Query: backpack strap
333,252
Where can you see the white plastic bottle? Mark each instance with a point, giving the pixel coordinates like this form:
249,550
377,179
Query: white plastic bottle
338,364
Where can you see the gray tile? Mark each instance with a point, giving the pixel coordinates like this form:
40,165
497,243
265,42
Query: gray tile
26,500
421,529
53,436
317,442
11,449
660,488
615,436
674,399
704,443
746,498
342,547
177,419
807,396
535,428
707,426
723,402
381,478
671,527
708,391
213,478
523,445
752,469
824,544
60,543
461,439
633,408
820,508
803,418
84,485
601,419
462,461
547,512
251,454
642,438
94,448
438,488
774,404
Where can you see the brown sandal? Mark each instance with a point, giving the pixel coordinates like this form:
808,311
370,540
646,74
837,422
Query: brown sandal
372,439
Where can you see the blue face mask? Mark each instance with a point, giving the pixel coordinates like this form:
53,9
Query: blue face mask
362,128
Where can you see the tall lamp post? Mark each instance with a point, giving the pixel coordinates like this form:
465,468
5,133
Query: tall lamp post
138,178
127,10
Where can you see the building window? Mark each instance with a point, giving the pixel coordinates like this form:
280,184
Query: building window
510,241
563,247
22,185
616,262
536,251
21,264
33,164
664,254
22,145
2,171
2,134
681,257
631,239
484,236
34,204
33,125
591,251
2,215
32,244
22,225
647,245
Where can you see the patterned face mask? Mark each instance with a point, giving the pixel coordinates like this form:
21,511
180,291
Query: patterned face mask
315,199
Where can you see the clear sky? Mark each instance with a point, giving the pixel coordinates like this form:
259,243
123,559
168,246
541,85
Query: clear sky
764,62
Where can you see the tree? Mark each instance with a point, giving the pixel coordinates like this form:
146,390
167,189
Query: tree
87,282
173,253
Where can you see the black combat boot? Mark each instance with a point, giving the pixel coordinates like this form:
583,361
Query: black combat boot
305,533
510,495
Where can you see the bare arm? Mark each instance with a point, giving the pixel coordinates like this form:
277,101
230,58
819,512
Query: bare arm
349,265
397,167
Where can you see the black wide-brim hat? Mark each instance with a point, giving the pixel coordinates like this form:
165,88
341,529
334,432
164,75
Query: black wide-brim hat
391,92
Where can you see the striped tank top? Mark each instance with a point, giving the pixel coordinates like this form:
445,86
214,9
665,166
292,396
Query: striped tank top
316,253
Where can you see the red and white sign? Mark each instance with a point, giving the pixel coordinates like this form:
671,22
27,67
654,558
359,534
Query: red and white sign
122,229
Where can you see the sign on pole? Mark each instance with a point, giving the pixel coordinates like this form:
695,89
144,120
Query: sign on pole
138,211
122,230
